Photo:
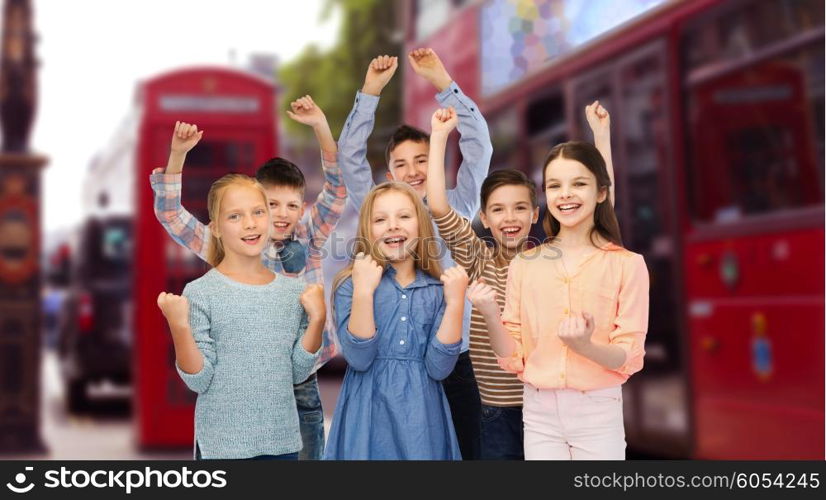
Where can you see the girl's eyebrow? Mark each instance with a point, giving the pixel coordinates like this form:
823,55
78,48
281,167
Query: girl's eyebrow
575,179
241,209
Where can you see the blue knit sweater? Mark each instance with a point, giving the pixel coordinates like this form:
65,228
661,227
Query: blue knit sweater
250,337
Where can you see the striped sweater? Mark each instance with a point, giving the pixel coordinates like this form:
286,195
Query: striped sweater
496,387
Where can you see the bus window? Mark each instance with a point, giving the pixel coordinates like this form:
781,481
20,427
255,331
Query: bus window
756,139
546,127
642,120
545,113
504,136
741,28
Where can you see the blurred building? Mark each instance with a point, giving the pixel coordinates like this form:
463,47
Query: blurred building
19,236
717,133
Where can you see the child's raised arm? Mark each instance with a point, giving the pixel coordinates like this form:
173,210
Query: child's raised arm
366,278
427,64
312,300
180,224
326,211
600,122
306,349
184,138
483,298
379,73
304,110
444,346
353,308
442,123
474,140
194,348
352,142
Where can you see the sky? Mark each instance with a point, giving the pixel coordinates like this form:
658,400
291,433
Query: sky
93,52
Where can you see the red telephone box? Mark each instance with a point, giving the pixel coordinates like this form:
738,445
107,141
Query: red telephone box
236,112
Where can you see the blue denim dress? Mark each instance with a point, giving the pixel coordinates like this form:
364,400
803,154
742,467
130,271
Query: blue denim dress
392,405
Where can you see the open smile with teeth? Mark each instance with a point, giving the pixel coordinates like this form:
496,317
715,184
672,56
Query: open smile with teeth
416,182
510,231
252,239
281,226
395,241
567,208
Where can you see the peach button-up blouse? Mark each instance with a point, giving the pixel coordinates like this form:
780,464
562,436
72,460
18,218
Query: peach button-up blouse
611,284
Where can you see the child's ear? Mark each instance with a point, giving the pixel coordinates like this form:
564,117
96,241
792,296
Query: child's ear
535,215
484,219
389,176
213,228
603,195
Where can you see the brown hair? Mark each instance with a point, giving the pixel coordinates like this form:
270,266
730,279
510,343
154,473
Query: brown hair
605,219
402,134
215,252
280,172
426,252
506,177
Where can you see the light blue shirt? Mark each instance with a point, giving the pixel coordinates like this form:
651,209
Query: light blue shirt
250,339
474,144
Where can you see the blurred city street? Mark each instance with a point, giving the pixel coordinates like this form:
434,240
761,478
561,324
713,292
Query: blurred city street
106,430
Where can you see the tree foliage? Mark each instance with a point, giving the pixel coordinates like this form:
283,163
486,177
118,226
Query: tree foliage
368,28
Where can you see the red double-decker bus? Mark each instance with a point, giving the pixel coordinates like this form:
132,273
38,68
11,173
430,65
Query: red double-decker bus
718,132
237,112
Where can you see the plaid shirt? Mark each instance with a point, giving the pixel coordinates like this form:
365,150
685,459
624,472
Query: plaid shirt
311,231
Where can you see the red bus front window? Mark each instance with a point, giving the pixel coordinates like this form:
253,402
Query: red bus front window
756,139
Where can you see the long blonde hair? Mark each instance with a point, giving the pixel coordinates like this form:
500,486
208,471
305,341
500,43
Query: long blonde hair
426,252
215,252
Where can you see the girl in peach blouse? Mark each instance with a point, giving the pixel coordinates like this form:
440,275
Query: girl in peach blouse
575,316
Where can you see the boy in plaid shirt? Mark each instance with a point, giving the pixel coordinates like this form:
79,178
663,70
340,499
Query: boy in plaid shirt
296,238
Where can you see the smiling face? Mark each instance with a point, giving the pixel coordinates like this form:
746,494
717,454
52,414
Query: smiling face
243,222
286,206
394,226
571,192
509,214
408,163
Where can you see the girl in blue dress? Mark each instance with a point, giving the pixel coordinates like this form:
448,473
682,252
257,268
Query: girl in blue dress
399,321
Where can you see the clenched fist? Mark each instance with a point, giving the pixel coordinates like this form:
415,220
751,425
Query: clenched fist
575,331
598,119
312,300
443,121
175,308
379,73
185,137
426,63
455,280
366,273
304,110
483,297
